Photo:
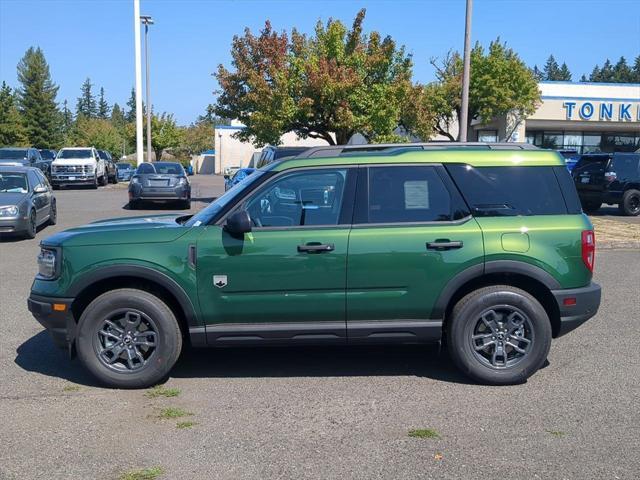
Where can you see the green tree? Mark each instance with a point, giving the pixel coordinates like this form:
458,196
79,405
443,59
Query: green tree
12,132
36,99
564,74
117,116
103,106
99,133
500,85
551,69
539,74
336,82
67,124
131,103
164,134
86,105
622,73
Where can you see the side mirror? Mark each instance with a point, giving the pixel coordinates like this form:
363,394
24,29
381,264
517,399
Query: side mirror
239,223
40,189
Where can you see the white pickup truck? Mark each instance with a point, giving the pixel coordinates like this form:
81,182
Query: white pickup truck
78,166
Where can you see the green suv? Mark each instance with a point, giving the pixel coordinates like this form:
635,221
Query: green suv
483,248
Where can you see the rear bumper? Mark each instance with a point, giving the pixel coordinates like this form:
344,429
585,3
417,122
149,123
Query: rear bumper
59,323
138,192
572,315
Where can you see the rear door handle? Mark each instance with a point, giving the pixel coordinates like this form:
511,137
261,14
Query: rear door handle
316,247
444,245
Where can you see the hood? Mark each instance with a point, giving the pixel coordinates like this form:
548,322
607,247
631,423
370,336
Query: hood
73,161
9,198
119,231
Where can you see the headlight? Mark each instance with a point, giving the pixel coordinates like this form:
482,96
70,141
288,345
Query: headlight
11,211
182,181
135,180
47,263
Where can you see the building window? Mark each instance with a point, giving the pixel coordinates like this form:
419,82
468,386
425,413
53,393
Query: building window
490,136
584,142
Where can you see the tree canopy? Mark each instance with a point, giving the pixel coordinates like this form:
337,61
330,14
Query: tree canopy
330,85
86,104
621,72
12,132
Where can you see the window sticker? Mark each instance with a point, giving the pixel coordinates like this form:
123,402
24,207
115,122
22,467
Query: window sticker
416,194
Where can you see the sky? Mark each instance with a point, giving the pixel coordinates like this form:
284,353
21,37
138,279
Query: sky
94,38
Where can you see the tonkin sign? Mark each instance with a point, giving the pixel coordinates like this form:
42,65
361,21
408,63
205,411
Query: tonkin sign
592,110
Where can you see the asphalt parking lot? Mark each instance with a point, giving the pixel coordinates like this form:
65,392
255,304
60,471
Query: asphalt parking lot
322,412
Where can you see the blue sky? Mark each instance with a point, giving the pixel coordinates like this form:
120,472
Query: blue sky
94,38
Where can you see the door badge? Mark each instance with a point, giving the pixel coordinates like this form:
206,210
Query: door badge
220,281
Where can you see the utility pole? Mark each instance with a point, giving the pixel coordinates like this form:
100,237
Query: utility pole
464,107
136,29
147,20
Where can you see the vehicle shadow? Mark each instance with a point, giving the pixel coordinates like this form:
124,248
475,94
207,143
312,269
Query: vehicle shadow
38,354
157,206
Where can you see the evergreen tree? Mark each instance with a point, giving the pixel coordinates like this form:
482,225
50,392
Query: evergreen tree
103,106
67,122
551,69
117,116
37,100
539,74
584,78
130,116
564,74
635,76
621,72
86,105
12,132
595,74
606,72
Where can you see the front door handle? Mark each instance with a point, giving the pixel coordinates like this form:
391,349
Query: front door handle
444,245
316,247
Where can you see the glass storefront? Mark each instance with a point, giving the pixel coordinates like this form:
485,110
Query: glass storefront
584,142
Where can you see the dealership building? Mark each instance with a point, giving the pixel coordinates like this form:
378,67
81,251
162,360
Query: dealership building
582,116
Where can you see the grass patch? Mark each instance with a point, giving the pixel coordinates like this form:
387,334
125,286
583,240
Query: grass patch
71,388
145,474
183,425
556,433
161,391
173,412
423,433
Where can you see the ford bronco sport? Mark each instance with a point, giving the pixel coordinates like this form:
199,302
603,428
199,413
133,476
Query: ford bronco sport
483,247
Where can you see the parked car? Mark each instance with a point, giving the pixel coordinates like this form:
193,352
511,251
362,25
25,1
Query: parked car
78,166
48,156
237,177
609,178
124,171
160,182
28,157
109,166
26,200
270,154
486,248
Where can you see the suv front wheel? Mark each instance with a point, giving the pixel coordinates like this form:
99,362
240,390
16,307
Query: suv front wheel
128,338
630,204
499,335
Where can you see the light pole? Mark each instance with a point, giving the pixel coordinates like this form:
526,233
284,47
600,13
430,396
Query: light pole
138,66
464,107
146,21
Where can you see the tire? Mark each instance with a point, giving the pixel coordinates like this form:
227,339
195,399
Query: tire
590,207
32,227
129,310
630,204
53,213
485,365
94,185
103,180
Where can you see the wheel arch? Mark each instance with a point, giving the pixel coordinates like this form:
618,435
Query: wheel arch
527,277
90,285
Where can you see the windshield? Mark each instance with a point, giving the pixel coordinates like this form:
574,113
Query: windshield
169,168
13,154
75,154
123,166
204,216
13,183
48,154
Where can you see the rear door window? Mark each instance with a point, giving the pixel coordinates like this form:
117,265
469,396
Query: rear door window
626,167
509,191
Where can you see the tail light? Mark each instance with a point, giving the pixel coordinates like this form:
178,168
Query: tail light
588,248
610,176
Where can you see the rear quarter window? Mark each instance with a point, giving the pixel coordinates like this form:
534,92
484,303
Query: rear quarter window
626,167
510,191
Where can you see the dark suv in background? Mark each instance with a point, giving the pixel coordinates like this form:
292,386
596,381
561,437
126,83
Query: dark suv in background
110,169
26,157
612,178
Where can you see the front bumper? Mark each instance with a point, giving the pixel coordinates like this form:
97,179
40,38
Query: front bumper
14,224
577,305
72,179
139,192
58,322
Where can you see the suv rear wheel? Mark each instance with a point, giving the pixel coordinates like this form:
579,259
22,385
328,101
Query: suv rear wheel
499,335
128,338
630,204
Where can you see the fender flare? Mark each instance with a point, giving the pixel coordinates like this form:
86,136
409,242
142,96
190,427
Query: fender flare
146,273
491,267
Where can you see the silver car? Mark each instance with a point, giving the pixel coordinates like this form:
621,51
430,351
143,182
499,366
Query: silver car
26,201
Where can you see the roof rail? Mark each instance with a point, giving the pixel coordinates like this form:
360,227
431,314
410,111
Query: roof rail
338,150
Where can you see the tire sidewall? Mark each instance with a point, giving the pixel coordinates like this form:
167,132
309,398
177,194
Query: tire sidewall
169,340
626,202
465,320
